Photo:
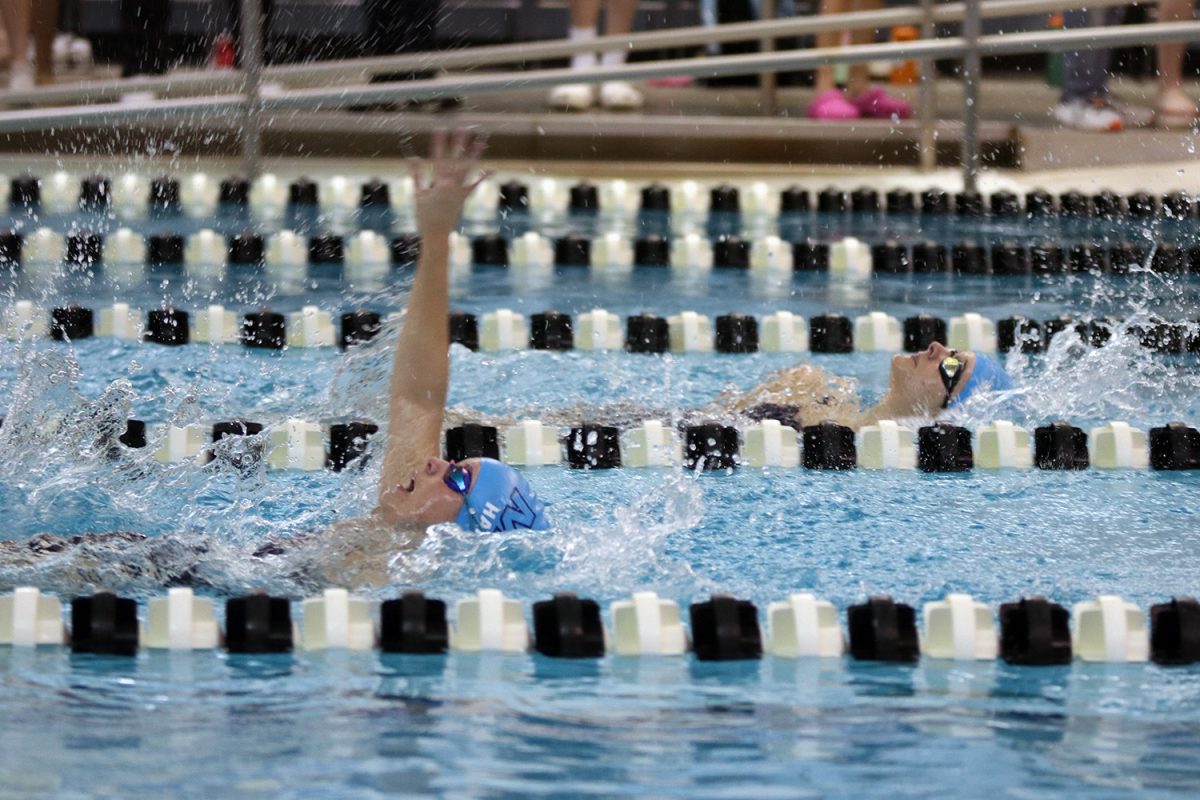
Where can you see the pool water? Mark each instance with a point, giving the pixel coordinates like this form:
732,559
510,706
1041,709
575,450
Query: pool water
352,725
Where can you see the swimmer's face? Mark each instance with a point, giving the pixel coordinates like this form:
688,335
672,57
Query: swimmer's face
915,383
424,498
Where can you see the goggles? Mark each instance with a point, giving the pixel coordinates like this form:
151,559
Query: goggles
951,371
458,479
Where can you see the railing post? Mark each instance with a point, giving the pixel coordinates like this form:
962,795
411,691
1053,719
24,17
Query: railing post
926,97
768,81
971,70
250,50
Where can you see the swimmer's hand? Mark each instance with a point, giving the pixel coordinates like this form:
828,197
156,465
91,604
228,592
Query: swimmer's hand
444,181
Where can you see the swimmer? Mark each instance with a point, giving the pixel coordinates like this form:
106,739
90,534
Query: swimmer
417,488
920,385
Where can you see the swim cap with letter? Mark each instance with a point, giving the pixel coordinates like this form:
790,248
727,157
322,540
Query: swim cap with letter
987,375
501,499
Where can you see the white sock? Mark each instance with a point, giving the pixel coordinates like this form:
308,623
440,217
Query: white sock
583,60
613,58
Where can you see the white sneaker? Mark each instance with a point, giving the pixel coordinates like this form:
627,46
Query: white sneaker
20,77
80,54
61,50
571,97
620,96
1089,115
138,98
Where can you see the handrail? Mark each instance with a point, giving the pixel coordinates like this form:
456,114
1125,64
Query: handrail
950,47
336,97
470,58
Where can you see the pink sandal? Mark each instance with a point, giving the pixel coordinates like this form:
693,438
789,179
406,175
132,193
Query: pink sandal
832,104
875,103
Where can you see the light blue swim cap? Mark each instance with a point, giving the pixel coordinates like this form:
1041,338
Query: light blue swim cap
501,499
987,375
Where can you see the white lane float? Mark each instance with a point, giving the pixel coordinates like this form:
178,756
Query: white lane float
1003,445
296,444
120,322
181,621
647,625
804,627
181,443
783,332
973,332
878,332
771,444
599,330
504,329
489,622
29,618
959,628
651,444
529,443
336,620
690,332
1110,629
1117,445
886,445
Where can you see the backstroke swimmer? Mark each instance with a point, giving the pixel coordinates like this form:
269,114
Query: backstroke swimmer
417,488
920,385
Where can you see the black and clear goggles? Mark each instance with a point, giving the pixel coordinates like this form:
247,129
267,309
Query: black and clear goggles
951,371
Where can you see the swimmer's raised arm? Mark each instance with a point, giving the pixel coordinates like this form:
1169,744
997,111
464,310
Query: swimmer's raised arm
421,370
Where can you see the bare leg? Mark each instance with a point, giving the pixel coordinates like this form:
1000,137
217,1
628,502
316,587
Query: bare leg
860,74
44,27
585,13
619,15
825,80
1173,104
17,15
5,48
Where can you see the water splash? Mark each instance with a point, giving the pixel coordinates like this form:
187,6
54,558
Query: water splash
622,550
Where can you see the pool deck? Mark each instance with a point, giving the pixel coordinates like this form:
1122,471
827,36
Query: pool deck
690,130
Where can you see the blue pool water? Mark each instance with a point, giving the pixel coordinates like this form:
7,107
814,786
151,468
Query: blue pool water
353,725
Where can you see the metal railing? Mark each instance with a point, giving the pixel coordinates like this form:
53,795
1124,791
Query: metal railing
229,81
971,46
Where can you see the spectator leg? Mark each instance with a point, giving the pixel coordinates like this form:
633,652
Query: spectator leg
619,15
17,16
1173,106
1085,72
618,19
585,13
44,28
860,74
825,79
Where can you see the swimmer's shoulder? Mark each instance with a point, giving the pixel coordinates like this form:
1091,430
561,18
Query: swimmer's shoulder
375,526
359,550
